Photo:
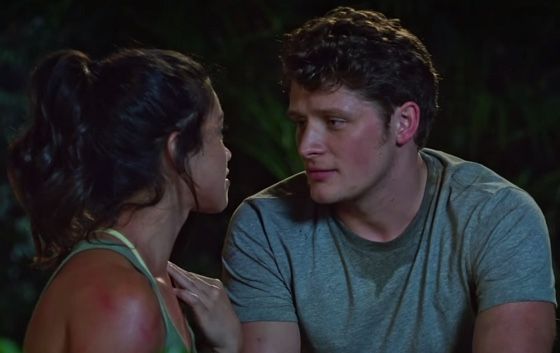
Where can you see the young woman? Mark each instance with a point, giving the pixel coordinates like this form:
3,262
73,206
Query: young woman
118,154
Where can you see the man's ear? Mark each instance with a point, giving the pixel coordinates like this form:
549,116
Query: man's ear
408,120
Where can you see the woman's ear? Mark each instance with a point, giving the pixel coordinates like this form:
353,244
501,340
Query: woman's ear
171,150
408,120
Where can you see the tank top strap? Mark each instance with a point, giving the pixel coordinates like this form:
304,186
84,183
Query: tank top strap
173,342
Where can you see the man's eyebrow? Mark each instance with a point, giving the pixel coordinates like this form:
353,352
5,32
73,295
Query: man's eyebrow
325,111
293,114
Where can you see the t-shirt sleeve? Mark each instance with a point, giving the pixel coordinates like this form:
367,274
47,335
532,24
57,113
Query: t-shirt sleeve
256,285
512,259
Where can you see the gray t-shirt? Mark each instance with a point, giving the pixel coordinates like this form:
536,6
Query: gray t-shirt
476,242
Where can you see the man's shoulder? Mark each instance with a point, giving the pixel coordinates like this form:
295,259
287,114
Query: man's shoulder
464,175
294,186
285,202
287,194
469,185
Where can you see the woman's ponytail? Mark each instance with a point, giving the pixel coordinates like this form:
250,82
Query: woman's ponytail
44,165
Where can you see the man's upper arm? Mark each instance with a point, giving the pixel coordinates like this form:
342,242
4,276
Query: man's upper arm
515,327
271,337
258,284
511,259
514,278
254,270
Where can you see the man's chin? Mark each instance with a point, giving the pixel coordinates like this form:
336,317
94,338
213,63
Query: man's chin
322,198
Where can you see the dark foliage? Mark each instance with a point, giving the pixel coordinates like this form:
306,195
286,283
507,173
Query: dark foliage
499,96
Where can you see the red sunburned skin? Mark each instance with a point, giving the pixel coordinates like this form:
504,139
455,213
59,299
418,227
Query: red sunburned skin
105,300
110,305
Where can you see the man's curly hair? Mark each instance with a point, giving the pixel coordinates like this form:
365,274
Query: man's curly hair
367,53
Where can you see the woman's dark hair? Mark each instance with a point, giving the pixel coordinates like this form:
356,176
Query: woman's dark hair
97,137
368,53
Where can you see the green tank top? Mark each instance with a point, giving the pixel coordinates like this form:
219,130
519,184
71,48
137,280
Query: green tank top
173,341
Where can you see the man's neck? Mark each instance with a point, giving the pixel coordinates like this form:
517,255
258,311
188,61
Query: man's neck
386,212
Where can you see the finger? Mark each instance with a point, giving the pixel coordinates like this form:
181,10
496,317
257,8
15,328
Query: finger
193,300
181,278
187,296
171,267
207,286
211,282
191,289
209,290
185,278
199,304
208,280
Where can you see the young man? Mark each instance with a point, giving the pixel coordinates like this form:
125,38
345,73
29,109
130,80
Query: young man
383,245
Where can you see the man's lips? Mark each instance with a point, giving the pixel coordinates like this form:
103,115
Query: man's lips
319,174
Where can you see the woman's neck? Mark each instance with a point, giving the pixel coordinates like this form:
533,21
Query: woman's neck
153,231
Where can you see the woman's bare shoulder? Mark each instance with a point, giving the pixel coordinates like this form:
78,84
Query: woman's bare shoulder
99,302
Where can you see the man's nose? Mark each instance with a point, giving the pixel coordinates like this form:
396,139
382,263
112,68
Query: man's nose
310,141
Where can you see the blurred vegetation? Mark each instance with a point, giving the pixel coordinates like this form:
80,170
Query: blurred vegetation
499,97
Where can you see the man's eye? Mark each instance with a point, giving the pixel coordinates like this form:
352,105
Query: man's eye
336,122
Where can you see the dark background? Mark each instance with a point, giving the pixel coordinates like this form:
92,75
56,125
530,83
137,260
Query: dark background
500,98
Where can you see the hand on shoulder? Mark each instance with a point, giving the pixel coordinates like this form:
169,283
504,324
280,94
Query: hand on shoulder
211,307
